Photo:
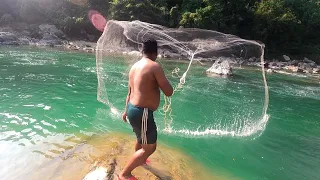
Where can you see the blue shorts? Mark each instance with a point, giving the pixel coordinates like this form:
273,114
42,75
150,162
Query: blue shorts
142,122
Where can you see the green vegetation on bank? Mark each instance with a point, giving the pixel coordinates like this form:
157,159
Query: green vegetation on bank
285,26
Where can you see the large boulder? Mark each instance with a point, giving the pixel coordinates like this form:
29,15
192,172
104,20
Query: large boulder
50,40
221,67
50,34
52,30
7,38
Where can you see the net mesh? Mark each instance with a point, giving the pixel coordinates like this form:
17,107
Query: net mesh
120,46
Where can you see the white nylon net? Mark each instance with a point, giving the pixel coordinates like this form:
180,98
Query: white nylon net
119,46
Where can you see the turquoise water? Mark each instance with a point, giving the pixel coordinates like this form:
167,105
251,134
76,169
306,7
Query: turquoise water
48,96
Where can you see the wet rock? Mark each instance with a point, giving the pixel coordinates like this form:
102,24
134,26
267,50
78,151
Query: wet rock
72,46
88,49
100,173
316,71
220,67
270,71
134,53
7,38
294,69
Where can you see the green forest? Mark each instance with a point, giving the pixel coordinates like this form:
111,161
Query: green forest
285,26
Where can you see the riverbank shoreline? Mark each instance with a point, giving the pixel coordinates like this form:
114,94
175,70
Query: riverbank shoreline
51,37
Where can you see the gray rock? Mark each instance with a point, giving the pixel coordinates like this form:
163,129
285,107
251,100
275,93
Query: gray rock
308,71
286,58
282,64
316,70
51,36
49,40
7,38
6,19
273,64
52,30
293,63
221,67
306,66
294,69
306,60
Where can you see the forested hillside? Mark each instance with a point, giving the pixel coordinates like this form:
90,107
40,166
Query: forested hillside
285,26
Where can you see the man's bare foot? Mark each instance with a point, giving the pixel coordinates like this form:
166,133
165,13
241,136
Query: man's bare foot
147,162
122,177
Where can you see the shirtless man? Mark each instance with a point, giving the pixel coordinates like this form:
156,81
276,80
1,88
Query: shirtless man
146,78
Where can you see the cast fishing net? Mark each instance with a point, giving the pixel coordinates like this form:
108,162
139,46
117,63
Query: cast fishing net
235,106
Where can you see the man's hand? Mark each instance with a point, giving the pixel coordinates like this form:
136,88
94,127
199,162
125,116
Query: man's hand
124,117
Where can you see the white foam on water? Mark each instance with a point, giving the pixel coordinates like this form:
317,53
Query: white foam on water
246,131
48,124
47,108
11,116
28,105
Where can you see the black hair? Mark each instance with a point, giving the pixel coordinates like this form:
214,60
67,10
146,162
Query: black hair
150,46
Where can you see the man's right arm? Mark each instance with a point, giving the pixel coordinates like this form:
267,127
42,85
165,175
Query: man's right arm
162,81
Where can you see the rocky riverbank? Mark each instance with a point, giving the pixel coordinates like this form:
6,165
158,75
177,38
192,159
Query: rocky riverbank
304,66
40,35
49,35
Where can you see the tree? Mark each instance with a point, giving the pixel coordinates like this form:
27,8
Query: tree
142,10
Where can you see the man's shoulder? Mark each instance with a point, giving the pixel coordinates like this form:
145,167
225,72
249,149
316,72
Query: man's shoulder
155,64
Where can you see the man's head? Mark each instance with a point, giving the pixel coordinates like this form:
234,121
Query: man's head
150,49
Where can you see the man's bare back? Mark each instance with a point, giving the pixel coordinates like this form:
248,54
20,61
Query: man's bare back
146,78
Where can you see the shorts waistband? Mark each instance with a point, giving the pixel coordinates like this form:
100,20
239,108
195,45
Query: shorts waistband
137,107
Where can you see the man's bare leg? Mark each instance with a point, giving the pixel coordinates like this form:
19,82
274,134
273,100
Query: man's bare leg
137,146
138,159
